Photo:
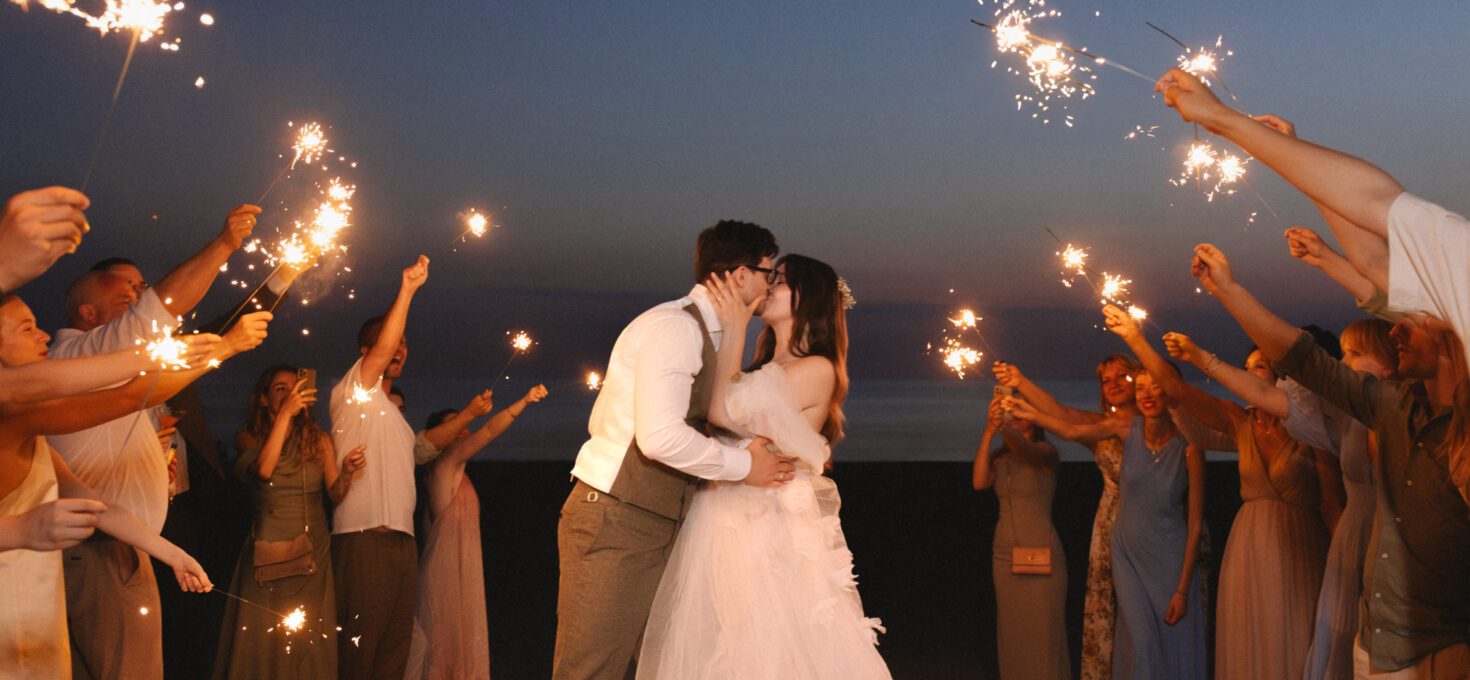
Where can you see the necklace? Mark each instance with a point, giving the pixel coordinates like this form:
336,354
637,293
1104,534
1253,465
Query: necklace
1156,451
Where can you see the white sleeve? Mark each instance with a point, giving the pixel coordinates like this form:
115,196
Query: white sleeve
143,320
664,368
1428,248
1307,422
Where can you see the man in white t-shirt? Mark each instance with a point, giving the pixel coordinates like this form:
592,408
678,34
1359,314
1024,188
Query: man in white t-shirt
374,557
109,586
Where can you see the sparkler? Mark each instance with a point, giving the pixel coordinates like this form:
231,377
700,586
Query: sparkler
291,622
520,343
967,320
593,381
143,17
309,146
1201,62
958,357
476,223
360,395
309,241
1051,66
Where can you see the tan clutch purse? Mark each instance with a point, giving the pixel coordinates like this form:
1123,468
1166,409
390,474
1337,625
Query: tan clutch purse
1030,560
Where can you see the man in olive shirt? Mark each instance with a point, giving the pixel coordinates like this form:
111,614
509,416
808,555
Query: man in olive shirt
1416,572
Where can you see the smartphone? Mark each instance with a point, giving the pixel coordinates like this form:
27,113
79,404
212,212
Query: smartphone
1005,391
307,378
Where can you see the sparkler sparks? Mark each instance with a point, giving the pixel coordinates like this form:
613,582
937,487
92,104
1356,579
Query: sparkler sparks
1050,66
294,620
958,357
1210,170
967,319
475,222
1114,289
594,381
166,350
1202,62
521,342
146,17
360,395
1137,313
310,143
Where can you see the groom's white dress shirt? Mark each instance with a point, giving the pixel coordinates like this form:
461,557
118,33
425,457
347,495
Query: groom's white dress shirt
645,395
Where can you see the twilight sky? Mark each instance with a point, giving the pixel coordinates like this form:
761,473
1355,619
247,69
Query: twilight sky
873,135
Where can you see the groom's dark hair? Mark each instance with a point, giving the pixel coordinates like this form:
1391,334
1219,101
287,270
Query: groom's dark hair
730,245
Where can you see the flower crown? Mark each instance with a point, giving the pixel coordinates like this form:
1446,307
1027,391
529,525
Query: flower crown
848,301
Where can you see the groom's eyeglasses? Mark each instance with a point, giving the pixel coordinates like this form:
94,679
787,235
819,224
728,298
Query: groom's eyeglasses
771,274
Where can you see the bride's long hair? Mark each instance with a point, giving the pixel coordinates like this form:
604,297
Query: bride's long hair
819,328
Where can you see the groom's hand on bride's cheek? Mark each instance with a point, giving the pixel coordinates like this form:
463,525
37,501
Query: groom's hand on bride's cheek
766,467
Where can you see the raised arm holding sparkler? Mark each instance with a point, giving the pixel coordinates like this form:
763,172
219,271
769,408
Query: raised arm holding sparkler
1358,191
445,433
389,349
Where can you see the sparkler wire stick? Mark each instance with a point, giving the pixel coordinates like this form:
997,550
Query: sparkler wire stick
241,309
500,377
1061,46
227,593
139,415
272,185
1191,51
132,47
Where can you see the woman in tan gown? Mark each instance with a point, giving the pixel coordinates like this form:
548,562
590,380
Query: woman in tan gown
1031,630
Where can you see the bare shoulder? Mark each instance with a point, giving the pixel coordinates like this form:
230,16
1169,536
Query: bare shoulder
811,379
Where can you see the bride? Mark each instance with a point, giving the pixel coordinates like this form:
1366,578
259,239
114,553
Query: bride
760,582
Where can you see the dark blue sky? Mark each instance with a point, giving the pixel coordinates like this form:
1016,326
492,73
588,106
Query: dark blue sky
873,135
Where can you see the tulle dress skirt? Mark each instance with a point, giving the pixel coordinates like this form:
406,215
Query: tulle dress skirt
760,585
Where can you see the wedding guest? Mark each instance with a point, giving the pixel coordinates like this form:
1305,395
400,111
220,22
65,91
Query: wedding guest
44,508
36,229
1416,599
1366,347
1404,244
374,557
1161,484
450,632
1272,569
1029,566
125,464
1115,400
286,562
199,509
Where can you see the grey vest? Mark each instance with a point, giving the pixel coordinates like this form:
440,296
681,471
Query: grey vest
656,487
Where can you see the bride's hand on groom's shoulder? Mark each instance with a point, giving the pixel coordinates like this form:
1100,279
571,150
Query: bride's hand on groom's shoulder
724,295
767,467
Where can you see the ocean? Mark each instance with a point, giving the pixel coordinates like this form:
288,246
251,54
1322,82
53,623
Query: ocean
887,420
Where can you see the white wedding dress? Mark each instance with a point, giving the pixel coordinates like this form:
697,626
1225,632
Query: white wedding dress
760,584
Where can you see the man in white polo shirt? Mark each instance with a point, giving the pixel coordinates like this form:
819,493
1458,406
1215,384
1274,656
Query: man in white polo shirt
110,586
374,557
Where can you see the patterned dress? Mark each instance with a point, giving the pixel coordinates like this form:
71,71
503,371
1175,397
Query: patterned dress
1099,609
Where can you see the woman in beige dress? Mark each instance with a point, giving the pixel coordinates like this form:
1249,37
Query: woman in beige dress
1031,631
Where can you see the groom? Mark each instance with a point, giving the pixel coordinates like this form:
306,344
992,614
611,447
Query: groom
636,474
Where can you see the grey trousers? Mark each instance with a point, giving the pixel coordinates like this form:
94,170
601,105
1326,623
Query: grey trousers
112,612
612,555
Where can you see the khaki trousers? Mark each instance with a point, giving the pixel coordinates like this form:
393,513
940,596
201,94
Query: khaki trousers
612,555
1450,663
112,612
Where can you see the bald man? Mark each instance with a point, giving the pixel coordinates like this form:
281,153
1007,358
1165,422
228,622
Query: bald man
126,465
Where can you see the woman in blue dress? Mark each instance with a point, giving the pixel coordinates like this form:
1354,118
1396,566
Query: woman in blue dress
1160,630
